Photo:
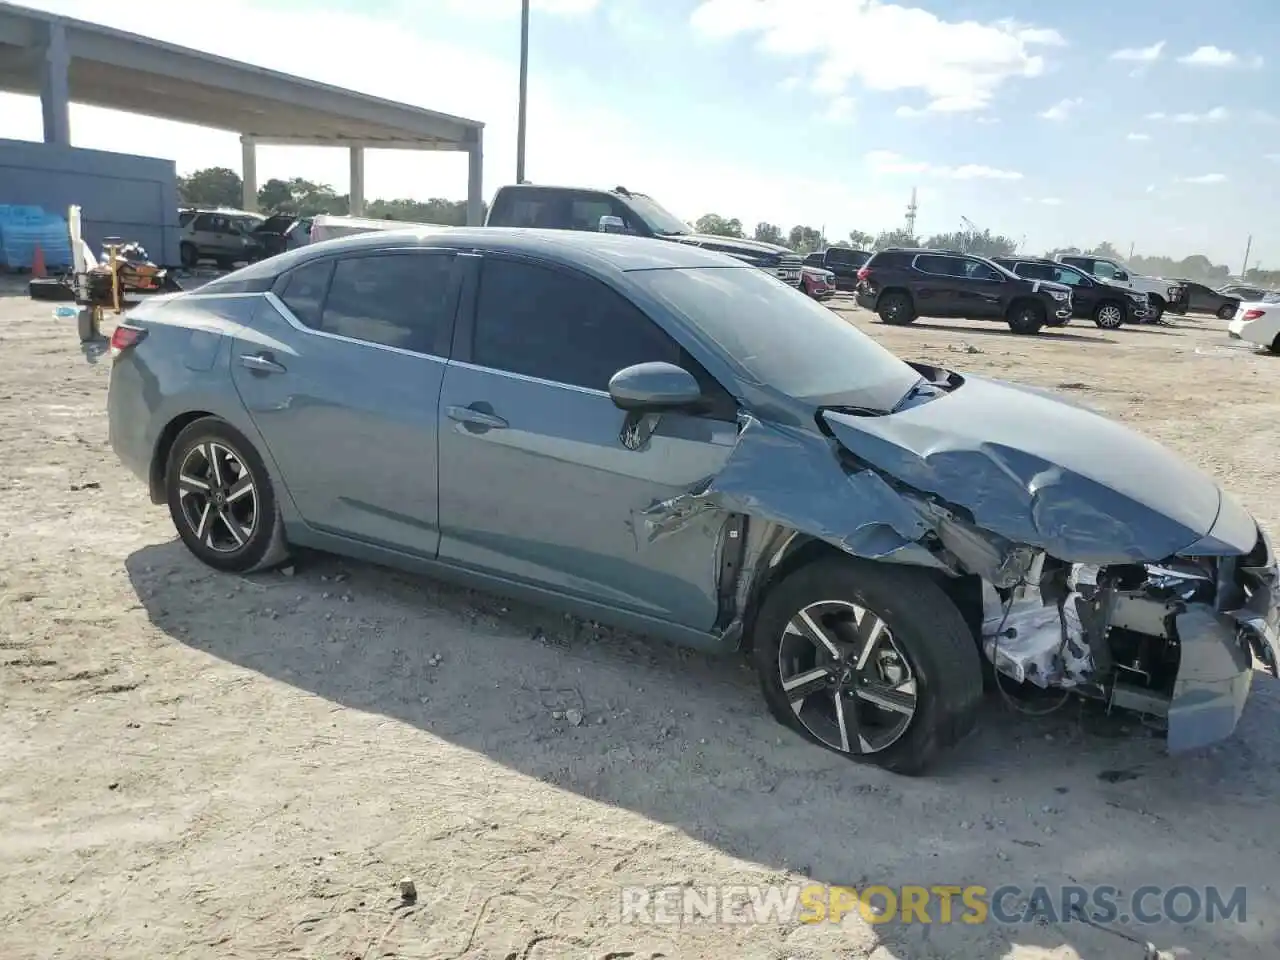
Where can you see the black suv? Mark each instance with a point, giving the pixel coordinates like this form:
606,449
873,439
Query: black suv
844,262
901,284
1108,305
623,211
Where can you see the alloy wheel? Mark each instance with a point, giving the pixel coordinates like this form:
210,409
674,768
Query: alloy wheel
1109,317
218,497
848,681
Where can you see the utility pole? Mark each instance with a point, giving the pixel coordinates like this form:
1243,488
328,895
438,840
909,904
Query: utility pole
524,88
1131,250
1244,271
912,209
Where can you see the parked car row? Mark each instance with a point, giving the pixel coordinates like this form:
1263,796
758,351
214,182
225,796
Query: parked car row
901,284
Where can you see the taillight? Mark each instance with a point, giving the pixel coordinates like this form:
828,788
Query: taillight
125,336
863,273
1253,314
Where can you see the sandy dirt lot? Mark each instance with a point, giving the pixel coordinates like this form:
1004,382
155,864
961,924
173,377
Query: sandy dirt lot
194,765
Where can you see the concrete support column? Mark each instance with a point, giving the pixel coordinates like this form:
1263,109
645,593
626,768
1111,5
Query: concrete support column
475,180
249,173
357,182
55,88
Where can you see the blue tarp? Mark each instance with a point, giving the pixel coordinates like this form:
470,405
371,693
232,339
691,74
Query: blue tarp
23,228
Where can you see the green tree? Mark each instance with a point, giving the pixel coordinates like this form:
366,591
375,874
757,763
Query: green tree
896,238
718,226
1104,249
860,240
211,187
803,239
983,244
769,233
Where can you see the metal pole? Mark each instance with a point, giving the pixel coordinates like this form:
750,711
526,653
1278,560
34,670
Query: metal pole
524,88
1244,272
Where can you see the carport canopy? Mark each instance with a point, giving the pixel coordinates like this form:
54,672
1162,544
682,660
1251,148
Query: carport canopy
61,60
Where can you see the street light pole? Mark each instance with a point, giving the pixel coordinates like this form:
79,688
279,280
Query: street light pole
524,88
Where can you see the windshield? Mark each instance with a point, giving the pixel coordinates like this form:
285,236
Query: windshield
779,337
661,221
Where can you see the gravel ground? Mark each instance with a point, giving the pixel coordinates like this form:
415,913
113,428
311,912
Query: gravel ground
195,765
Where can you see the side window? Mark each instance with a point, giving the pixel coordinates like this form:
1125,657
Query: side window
815,260
976,270
585,212
1069,277
555,326
527,208
397,300
940,266
304,291
1080,263
204,222
1104,270
840,255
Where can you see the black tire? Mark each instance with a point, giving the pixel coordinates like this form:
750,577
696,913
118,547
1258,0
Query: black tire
1109,315
225,263
51,289
895,309
926,635
190,255
1155,309
1026,317
1226,311
212,533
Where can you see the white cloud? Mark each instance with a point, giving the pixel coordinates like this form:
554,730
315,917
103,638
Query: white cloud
1138,137
958,65
840,110
1274,157
1216,115
1151,188
508,9
1051,201
1211,56
1140,54
791,83
888,162
1061,109
1205,178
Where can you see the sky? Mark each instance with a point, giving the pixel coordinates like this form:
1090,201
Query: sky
1148,123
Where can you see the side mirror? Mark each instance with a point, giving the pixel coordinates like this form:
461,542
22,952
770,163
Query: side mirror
653,388
609,224
1121,276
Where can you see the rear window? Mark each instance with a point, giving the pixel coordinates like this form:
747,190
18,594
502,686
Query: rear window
844,255
526,208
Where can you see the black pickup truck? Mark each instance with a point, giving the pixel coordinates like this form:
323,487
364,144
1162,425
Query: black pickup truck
624,211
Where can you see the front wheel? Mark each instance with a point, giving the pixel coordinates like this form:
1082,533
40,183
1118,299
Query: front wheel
1226,311
872,661
895,309
190,256
1026,317
221,499
1109,316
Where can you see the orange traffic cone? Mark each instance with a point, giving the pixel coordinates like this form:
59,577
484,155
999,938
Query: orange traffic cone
37,262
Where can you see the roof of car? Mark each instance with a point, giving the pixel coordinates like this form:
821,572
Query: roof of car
603,250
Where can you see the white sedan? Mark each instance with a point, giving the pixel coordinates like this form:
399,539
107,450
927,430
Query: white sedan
1258,321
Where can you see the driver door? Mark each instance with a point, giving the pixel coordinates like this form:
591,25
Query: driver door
536,483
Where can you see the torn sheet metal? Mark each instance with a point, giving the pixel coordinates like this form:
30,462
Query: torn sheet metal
1032,641
1040,472
794,478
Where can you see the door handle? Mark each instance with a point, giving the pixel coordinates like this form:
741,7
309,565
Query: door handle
476,418
261,363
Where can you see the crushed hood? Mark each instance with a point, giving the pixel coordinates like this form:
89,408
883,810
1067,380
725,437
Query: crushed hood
1038,470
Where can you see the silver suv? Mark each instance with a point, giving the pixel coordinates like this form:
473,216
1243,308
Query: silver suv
224,236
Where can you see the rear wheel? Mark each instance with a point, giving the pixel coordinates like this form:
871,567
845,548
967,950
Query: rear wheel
872,661
1026,317
190,256
1109,315
221,499
1226,311
895,309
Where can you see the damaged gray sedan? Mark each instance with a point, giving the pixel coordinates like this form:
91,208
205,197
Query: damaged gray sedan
665,439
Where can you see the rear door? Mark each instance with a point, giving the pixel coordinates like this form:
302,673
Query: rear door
536,483
341,374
